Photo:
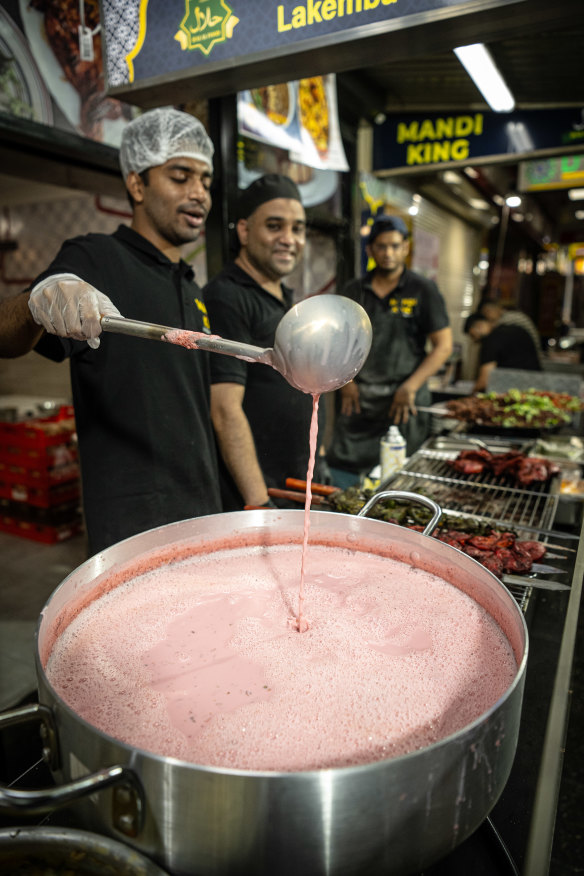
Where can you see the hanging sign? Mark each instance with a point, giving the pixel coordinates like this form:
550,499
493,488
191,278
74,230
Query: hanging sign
414,141
222,46
543,174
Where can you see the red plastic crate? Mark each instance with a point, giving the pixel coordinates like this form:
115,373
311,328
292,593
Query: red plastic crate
40,532
53,516
38,477
38,457
41,497
41,432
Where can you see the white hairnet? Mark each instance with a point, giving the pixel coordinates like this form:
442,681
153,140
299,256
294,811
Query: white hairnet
159,134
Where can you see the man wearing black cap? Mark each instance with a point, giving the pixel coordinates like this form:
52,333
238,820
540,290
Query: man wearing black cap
261,422
406,312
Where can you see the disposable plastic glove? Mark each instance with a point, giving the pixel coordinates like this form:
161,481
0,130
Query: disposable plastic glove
66,305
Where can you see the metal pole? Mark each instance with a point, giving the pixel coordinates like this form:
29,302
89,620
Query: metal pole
496,276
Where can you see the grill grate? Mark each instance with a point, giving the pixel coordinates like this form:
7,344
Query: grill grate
521,595
481,495
529,512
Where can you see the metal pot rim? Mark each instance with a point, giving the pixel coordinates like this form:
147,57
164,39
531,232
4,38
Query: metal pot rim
269,516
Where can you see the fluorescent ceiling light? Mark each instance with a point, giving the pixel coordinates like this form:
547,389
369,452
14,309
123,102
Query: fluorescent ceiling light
579,214
576,194
480,67
519,136
513,201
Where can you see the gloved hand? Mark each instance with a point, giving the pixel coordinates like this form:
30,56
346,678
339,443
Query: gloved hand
66,305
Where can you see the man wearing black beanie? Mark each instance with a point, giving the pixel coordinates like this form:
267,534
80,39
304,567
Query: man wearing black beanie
261,422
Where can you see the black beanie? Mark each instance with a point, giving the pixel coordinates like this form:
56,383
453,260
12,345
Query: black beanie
387,222
266,188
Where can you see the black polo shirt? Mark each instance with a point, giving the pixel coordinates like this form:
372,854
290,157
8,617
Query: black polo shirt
142,407
279,415
401,324
510,346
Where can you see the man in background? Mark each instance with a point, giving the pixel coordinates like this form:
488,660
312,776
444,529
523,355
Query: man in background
142,413
407,313
262,423
502,346
499,315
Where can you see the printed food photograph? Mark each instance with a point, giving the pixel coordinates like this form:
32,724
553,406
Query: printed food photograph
274,102
22,91
77,86
314,114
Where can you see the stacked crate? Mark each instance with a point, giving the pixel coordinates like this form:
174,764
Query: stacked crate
40,487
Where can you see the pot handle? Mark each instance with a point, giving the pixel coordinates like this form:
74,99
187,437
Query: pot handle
409,497
128,798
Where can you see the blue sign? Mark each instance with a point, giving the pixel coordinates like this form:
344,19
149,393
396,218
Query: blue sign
418,140
151,40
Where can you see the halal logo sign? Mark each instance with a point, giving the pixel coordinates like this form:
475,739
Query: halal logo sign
205,23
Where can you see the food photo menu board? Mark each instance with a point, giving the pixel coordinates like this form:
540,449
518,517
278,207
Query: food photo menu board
293,128
51,68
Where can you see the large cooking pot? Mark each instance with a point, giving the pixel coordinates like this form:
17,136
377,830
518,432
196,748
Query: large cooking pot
392,816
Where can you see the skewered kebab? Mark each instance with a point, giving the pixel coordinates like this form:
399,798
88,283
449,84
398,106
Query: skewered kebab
498,550
524,470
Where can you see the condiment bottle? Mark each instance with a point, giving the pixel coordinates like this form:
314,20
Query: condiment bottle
392,452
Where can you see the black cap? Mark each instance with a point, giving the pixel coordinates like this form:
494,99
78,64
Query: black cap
266,188
384,223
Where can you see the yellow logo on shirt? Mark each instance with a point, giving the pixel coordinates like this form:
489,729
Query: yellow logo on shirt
404,306
203,309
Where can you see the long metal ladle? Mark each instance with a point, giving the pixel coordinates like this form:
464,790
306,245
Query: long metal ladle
320,344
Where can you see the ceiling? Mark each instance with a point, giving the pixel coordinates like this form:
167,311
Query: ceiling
541,58
536,44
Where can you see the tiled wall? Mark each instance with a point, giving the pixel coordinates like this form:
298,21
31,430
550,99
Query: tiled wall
39,229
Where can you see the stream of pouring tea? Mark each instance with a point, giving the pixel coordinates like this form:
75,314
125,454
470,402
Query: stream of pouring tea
301,622
189,340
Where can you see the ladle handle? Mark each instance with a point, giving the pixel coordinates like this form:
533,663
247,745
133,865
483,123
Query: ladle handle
121,326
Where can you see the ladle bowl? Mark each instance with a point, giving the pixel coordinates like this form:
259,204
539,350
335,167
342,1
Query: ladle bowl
320,344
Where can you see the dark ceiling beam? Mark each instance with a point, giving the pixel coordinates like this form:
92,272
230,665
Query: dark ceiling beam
359,96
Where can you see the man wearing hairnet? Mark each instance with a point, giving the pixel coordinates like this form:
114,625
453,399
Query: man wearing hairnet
142,409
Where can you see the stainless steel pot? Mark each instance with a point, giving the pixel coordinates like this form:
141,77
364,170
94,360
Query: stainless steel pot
393,816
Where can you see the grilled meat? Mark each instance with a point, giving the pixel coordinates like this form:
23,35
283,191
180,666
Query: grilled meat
498,550
516,409
62,20
524,470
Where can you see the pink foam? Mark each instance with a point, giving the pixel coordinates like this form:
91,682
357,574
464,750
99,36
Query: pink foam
197,658
185,338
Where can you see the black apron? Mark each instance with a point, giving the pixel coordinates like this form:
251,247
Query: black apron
395,354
